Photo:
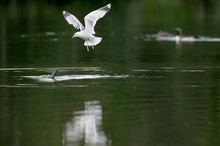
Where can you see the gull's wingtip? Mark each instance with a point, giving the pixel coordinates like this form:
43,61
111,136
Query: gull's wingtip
106,8
109,5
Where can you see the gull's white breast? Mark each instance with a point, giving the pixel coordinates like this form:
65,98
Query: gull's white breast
85,35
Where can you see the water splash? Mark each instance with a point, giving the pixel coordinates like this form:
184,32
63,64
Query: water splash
47,78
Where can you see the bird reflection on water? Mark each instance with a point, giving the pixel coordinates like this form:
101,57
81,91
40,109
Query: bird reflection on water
85,126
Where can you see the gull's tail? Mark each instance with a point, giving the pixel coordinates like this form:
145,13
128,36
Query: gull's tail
94,41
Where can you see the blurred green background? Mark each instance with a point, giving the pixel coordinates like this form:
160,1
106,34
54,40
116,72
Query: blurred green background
170,97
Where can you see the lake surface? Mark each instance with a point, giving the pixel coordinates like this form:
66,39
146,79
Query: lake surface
125,92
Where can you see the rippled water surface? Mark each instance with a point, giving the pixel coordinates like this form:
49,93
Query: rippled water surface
128,91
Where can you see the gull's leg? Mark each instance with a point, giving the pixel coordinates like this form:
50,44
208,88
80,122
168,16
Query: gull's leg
87,46
90,39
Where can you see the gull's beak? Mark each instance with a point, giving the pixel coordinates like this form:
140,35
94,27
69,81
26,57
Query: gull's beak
74,36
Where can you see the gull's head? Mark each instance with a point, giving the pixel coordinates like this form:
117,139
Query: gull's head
75,35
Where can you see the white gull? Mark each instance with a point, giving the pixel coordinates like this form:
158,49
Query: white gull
87,33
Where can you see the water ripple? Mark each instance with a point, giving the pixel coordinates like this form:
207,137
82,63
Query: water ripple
172,38
46,78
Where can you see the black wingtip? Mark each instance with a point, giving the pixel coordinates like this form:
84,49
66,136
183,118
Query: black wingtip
54,73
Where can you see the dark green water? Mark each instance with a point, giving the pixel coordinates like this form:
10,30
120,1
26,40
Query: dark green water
125,92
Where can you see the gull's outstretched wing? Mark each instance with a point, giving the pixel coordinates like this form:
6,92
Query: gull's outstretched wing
92,17
72,20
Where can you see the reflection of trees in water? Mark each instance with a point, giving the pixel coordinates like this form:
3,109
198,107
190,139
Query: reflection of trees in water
85,127
3,40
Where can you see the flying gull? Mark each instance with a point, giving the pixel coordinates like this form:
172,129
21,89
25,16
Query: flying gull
87,33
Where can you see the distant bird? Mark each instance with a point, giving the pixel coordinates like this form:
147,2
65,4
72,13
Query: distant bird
87,33
163,34
178,34
180,37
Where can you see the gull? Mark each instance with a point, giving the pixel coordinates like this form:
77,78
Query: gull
87,33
